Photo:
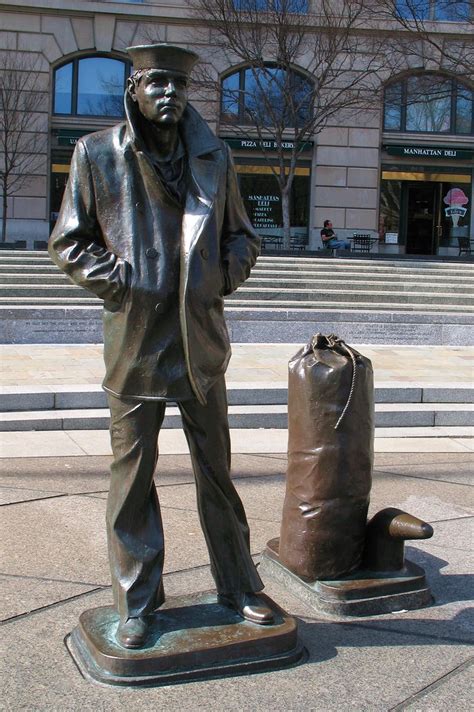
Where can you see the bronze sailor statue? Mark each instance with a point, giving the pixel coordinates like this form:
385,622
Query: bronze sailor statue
152,222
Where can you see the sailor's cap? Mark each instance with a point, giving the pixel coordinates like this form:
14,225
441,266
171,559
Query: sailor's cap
163,56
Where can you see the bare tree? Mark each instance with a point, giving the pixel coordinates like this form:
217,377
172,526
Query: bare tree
442,30
301,70
22,142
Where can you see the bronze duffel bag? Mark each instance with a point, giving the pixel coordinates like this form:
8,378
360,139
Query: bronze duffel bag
330,459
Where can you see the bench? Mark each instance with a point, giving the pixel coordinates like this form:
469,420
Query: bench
465,246
274,241
298,243
362,242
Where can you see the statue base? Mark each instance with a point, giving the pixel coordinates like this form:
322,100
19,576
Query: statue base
192,637
362,593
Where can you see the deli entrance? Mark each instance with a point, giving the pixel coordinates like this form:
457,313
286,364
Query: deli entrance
427,212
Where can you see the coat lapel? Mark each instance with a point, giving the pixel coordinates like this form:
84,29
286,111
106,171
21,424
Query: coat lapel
198,209
200,198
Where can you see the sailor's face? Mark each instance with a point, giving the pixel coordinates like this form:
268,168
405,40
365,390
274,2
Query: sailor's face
161,96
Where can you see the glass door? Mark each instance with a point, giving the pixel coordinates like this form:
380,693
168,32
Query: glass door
422,214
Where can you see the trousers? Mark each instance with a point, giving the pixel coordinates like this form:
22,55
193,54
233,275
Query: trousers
134,525
333,244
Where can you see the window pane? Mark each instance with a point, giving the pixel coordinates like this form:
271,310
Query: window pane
302,100
263,95
101,84
63,89
296,6
251,5
464,110
390,198
414,9
393,108
428,104
451,10
230,97
300,191
269,98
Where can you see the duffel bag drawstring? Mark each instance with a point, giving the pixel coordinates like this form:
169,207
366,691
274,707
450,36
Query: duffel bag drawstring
334,342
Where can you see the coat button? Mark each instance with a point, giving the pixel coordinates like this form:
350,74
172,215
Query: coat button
160,308
128,153
204,253
151,253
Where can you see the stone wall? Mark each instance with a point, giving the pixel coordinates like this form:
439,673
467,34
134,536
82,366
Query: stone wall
346,159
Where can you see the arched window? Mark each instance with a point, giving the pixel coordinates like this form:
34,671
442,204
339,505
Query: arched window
90,86
429,103
437,10
266,95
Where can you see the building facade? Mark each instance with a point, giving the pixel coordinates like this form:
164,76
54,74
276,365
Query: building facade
400,171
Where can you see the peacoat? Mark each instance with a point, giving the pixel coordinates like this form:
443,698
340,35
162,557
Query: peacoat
115,234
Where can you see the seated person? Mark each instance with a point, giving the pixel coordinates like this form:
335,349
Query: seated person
329,237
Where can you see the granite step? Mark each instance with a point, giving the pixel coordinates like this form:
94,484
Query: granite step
387,415
52,302
287,280
33,278
343,306
87,396
336,295
324,283
359,273
266,294
41,259
252,305
317,269
23,268
405,264
346,282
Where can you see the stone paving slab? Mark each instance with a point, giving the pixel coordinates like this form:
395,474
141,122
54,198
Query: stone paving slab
55,364
56,475
173,442
36,444
425,445
69,539
405,660
90,475
263,497
454,691
24,594
435,470
77,524
14,495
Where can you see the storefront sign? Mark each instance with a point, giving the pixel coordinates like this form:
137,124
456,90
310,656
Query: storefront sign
68,137
250,144
430,152
264,210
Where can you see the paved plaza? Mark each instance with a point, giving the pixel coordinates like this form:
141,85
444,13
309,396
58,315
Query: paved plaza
54,558
54,566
